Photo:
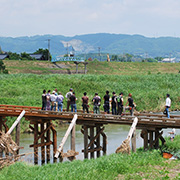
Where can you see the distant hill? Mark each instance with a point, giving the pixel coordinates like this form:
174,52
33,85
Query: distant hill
93,43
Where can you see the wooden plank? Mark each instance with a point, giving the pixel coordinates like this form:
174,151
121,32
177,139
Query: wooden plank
66,136
48,150
91,139
93,150
54,143
104,143
48,127
133,141
16,122
145,139
96,137
98,129
35,143
85,142
151,139
42,144
39,133
73,135
17,138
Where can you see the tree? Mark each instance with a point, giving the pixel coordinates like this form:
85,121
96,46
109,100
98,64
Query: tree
114,58
25,56
14,56
45,53
3,68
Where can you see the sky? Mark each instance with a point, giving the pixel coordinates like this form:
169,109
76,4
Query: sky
150,18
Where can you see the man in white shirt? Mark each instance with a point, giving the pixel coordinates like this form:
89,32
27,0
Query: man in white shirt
168,105
53,101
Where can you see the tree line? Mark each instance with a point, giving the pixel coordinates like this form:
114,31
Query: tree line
26,56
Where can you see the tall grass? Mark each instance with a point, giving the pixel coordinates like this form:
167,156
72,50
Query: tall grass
136,166
149,91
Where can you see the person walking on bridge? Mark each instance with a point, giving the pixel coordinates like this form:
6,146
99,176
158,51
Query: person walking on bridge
96,100
68,95
168,105
131,104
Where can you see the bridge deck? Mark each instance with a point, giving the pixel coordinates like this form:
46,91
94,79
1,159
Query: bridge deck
147,120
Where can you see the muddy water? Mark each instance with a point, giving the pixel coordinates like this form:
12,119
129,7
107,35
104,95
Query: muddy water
115,135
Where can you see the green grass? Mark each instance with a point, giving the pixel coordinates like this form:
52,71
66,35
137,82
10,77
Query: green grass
149,91
149,165
94,67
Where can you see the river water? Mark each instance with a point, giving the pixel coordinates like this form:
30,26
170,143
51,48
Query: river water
115,135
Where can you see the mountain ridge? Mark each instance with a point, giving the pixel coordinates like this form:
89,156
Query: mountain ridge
94,43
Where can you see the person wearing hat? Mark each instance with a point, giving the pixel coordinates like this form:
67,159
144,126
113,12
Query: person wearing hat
68,95
96,100
131,104
53,101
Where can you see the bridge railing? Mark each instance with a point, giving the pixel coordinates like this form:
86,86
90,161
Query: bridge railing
56,59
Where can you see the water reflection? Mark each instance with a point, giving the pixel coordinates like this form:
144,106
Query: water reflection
115,135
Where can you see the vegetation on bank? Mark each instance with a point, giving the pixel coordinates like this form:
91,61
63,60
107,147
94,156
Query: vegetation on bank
94,67
140,165
149,91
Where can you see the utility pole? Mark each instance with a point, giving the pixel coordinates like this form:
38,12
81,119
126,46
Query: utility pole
67,50
49,49
99,50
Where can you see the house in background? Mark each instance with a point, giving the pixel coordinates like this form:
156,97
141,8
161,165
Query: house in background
3,56
38,56
169,60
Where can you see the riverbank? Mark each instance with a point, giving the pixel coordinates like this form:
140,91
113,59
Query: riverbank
140,165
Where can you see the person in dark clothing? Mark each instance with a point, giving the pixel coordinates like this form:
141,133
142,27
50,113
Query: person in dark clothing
119,100
96,100
44,100
106,102
73,102
113,103
131,104
85,105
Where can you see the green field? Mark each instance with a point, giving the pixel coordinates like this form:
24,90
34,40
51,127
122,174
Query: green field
139,166
149,91
148,82
109,68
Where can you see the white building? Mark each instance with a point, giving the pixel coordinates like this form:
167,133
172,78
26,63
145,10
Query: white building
168,60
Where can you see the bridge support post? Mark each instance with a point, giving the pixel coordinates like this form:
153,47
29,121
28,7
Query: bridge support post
133,141
42,140
151,138
92,142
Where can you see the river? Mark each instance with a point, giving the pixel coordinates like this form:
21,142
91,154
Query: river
115,135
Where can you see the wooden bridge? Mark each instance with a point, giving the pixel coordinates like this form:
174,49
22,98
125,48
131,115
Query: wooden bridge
95,139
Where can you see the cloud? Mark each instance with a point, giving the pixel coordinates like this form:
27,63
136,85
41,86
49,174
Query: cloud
70,17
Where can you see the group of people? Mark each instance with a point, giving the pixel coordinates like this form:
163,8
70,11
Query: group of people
55,100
